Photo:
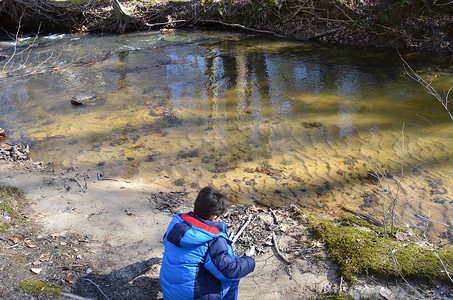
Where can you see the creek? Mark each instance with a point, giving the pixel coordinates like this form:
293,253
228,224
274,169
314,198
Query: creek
269,121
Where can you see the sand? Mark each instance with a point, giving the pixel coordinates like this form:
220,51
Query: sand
124,224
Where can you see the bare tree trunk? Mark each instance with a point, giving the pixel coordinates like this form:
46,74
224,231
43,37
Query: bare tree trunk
123,17
121,13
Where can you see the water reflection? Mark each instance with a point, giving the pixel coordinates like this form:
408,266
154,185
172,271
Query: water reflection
268,121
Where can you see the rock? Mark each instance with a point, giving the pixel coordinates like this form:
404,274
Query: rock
81,99
84,97
312,124
75,102
179,182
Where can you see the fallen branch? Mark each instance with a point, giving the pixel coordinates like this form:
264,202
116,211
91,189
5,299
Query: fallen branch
274,240
165,23
321,34
249,220
242,27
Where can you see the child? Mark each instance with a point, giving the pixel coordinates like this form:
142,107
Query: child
199,262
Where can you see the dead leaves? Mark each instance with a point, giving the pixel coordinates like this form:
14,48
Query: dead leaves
2,134
30,244
16,239
44,257
36,270
69,278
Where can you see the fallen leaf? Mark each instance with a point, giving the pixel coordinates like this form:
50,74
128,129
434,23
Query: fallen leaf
36,270
16,239
44,257
69,278
29,244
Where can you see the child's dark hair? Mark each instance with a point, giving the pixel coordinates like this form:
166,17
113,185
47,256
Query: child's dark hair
210,202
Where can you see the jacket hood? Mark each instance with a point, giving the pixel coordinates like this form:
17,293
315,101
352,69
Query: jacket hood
187,230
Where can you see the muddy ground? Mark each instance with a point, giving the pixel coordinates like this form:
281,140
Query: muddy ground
103,240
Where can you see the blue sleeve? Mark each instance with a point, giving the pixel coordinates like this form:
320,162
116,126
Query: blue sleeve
223,264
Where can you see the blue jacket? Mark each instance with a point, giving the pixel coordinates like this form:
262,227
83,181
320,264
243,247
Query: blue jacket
199,262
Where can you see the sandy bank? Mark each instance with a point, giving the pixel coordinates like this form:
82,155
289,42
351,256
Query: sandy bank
116,225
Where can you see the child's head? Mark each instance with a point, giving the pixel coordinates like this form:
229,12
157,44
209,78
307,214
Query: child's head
210,203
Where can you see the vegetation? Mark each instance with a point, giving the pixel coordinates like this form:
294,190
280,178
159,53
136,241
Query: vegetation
10,206
415,24
361,248
38,287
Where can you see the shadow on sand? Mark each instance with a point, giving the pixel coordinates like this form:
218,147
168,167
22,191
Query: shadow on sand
126,283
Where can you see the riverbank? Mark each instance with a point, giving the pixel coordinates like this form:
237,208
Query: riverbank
79,233
415,24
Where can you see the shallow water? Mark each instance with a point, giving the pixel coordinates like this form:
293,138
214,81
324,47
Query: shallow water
268,121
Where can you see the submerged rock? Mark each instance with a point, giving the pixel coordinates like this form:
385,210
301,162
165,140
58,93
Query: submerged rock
82,99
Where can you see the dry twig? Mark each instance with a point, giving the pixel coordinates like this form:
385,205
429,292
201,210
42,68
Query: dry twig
249,220
428,87
75,296
103,294
274,240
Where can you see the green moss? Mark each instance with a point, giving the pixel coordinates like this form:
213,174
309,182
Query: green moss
361,248
10,205
10,200
339,296
38,287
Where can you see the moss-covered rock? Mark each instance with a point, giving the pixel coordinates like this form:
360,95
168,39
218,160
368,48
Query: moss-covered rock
361,248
